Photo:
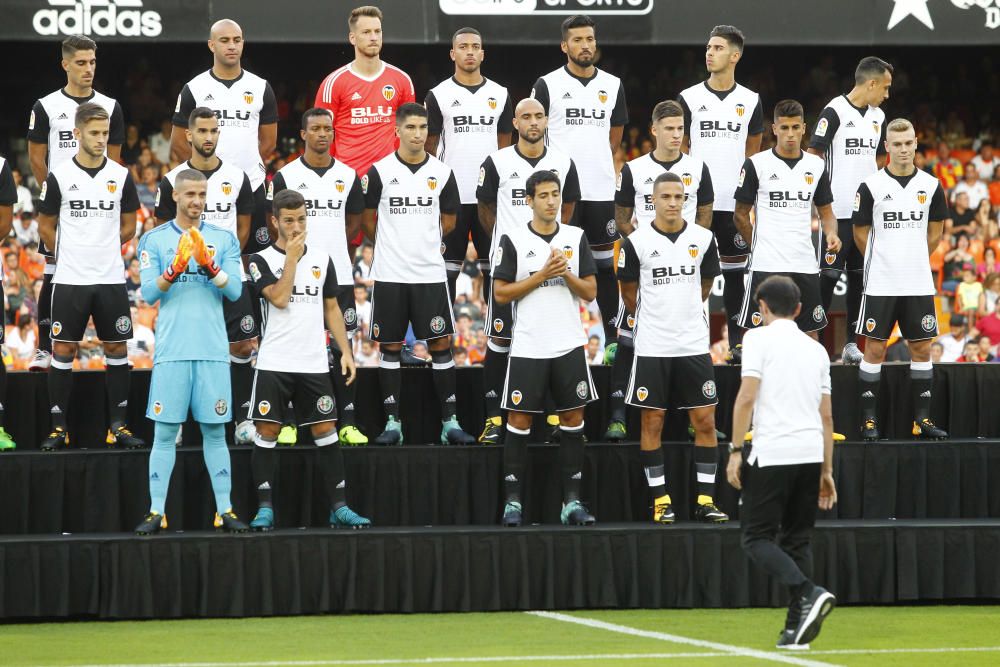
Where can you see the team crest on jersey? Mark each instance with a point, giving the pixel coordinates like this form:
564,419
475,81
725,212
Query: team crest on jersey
693,250
262,236
364,184
830,257
157,407
264,407
498,325
567,251
581,389
492,103
875,126
821,127
515,397
324,404
123,324
928,322
56,328
221,406
602,95
708,389
248,96
740,110
922,196
870,324
611,228
818,313
227,188
630,321
437,324
375,330
339,184
642,393
350,317
388,92
144,262
809,178
112,186
432,182
687,179
316,272
254,271
756,319
246,324
211,250
739,241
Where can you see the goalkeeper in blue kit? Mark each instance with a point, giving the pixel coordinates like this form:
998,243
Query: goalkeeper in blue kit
189,267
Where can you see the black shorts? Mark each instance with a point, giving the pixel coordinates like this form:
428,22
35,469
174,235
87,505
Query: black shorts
499,318
849,255
3,328
728,239
529,381
915,315
457,242
811,318
259,237
241,324
348,308
597,220
624,320
311,395
73,305
672,382
427,306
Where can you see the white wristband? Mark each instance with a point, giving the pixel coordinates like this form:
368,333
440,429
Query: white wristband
220,279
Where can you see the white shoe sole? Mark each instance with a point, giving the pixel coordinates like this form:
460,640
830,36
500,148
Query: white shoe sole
820,610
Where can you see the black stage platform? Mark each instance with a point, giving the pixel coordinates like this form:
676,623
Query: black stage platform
289,572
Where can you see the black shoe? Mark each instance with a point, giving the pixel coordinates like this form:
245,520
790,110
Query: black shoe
663,511
554,434
392,435
152,524
813,610
58,439
869,430
511,515
574,513
492,432
124,438
230,523
616,431
709,513
925,429
786,641
735,355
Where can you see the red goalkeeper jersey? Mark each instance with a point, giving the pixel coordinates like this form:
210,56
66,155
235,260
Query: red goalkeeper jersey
364,113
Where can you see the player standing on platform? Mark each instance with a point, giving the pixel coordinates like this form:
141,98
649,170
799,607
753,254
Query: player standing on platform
784,183
87,211
850,135
298,285
413,198
635,196
189,365
724,123
334,204
587,113
8,197
544,269
899,214
469,117
364,95
667,267
248,122
502,210
51,142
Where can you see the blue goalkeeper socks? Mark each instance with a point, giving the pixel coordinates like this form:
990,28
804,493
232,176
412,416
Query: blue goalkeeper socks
217,462
161,464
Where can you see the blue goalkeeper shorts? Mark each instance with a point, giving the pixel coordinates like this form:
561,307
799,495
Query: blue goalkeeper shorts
202,386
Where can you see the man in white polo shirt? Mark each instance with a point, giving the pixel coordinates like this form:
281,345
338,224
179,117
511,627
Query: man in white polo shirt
788,470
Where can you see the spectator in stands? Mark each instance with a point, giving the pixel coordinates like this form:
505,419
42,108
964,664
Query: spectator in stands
991,291
970,353
994,188
148,186
937,350
132,146
985,163
420,352
477,350
720,348
989,265
15,289
968,293
595,353
461,357
363,267
133,282
955,261
946,168
363,309
25,228
159,143
985,223
90,346
141,345
963,218
899,350
368,356
32,262
973,187
24,203
986,349
22,341
953,342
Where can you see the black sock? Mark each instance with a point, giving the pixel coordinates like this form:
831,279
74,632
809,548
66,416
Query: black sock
334,477
444,381
3,390
571,461
117,380
389,381
855,288
45,314
515,450
60,388
344,393
494,372
653,466
733,291
869,377
620,372
607,302
705,460
484,268
241,377
921,380
263,463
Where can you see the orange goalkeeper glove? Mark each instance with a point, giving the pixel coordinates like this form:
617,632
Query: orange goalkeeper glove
202,255
185,246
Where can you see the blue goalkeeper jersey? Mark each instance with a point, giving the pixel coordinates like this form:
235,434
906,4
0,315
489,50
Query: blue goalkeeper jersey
190,325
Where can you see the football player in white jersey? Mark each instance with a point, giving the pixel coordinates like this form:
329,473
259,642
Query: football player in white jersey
899,214
725,123
850,135
468,117
51,142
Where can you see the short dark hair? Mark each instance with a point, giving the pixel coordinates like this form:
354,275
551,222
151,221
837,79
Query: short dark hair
667,177
185,175
730,33
466,31
89,111
788,109
781,295
577,21
315,111
667,109
869,68
200,112
539,177
75,43
370,11
287,199
410,109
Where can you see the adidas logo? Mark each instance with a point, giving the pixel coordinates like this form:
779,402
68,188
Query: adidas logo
655,253
531,253
62,116
491,394
389,401
703,108
774,177
850,123
209,98
302,186
514,175
246,404
73,188
649,180
867,394
155,477
349,406
342,484
394,182
567,96
617,394
926,394
55,410
123,404
355,97
450,399
578,475
887,198
222,473
266,486
456,103
510,478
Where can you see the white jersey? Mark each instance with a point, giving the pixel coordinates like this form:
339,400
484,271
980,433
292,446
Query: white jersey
670,318
547,319
468,119
635,186
293,339
897,209
53,119
330,193
242,105
851,139
228,193
784,191
410,199
89,204
718,124
501,181
581,114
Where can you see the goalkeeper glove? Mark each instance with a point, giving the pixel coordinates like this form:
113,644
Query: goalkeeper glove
205,259
182,256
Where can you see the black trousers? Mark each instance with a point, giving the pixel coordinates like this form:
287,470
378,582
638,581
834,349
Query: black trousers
777,516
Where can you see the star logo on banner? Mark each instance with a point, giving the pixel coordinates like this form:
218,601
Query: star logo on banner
916,8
